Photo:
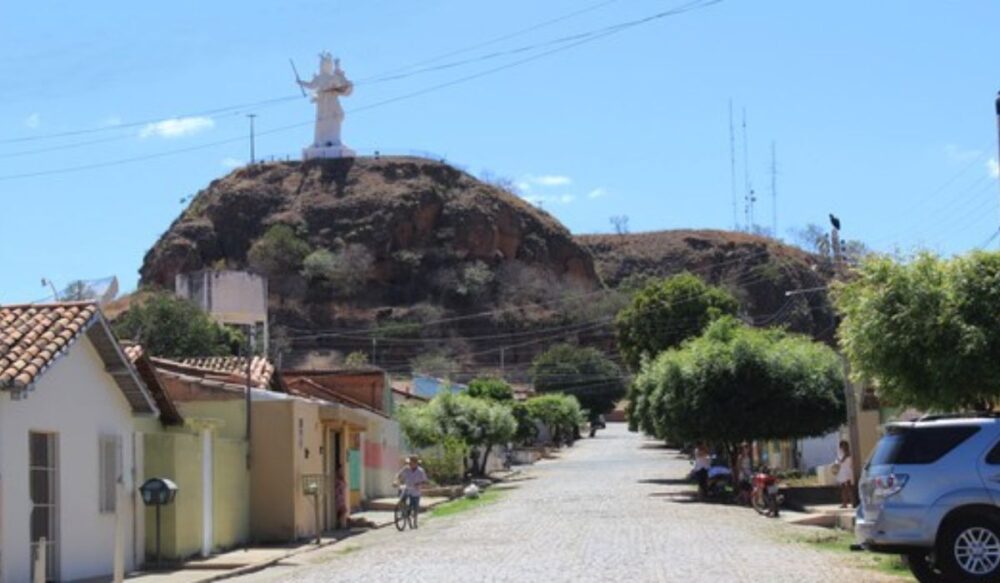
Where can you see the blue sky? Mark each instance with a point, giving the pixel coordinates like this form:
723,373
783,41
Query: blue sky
882,112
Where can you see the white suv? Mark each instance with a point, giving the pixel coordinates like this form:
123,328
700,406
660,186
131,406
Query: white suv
931,492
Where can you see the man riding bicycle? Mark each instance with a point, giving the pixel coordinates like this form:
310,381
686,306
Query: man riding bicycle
411,478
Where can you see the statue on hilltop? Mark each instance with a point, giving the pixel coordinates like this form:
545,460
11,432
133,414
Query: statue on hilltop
327,86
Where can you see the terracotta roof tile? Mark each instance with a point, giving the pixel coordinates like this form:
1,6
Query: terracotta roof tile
261,369
32,336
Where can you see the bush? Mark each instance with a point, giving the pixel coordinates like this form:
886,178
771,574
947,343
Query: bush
492,389
445,462
434,364
346,271
560,413
279,252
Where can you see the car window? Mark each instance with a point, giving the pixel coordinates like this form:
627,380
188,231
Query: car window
920,445
994,456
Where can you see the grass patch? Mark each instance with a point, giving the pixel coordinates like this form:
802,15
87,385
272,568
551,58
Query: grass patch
465,504
839,541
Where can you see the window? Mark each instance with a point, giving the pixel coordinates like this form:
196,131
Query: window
920,445
993,458
43,479
109,452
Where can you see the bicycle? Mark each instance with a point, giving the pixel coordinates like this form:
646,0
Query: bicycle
404,514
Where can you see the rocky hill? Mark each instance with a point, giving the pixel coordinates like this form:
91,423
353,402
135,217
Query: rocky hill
758,270
441,263
442,243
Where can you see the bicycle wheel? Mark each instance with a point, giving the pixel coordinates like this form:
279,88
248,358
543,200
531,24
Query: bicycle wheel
401,514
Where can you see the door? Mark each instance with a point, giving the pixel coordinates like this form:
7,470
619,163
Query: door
43,476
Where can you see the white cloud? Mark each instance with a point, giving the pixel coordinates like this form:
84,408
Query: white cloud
957,153
33,121
552,180
232,162
993,167
545,181
542,199
176,127
597,193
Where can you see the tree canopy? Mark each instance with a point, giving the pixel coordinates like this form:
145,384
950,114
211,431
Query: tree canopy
478,423
666,312
492,389
562,414
735,383
925,331
587,374
278,252
172,327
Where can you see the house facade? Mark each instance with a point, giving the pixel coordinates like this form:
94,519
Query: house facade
70,455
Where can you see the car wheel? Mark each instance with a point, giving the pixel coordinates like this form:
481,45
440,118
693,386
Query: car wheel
923,569
970,550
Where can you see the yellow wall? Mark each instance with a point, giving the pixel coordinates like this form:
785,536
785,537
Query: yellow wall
176,453
176,456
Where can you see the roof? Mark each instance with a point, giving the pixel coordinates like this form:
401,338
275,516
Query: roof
306,387
169,414
234,367
34,336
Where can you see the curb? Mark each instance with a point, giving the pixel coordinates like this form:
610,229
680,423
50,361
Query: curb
247,569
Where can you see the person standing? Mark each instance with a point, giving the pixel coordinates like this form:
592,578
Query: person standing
702,462
845,475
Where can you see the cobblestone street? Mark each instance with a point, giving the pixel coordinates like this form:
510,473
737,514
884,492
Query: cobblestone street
611,509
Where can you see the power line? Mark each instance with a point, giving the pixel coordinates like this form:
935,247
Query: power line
579,39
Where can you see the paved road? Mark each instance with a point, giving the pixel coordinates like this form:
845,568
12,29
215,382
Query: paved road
610,509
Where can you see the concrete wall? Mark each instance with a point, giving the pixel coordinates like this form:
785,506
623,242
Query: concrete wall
818,451
79,402
287,444
234,297
382,457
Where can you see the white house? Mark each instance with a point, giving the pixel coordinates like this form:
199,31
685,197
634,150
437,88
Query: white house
69,404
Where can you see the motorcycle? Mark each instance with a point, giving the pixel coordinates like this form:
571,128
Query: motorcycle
765,496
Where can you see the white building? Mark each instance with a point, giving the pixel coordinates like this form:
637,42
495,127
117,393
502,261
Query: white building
69,404
235,298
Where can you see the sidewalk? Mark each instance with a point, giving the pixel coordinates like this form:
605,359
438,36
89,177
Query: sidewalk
237,562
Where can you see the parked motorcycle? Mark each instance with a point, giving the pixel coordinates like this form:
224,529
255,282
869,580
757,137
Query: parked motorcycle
765,497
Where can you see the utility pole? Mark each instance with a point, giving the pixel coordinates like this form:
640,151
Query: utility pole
251,347
374,349
252,153
502,348
850,397
997,105
732,170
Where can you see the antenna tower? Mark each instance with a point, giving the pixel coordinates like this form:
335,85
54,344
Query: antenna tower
732,169
774,190
748,195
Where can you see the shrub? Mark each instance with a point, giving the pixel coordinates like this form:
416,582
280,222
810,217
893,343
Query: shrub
445,462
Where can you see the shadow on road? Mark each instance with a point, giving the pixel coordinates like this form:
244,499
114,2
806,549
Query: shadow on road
666,481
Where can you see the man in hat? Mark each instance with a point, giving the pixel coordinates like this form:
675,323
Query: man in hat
412,477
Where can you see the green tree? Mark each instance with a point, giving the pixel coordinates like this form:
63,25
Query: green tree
735,384
585,373
492,389
925,331
434,364
666,312
347,271
171,327
478,423
279,252
356,359
561,413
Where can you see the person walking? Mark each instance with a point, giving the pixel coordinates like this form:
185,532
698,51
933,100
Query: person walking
845,475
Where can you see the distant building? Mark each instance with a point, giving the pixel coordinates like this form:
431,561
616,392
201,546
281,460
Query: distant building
234,298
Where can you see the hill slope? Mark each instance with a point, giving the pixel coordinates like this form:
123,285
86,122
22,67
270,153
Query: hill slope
758,270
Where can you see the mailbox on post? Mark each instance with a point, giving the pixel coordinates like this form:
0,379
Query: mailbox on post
312,485
158,492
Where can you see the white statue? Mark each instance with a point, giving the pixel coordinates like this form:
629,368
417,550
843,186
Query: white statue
327,87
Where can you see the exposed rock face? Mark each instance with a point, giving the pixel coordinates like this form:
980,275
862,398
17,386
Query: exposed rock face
415,216
757,270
